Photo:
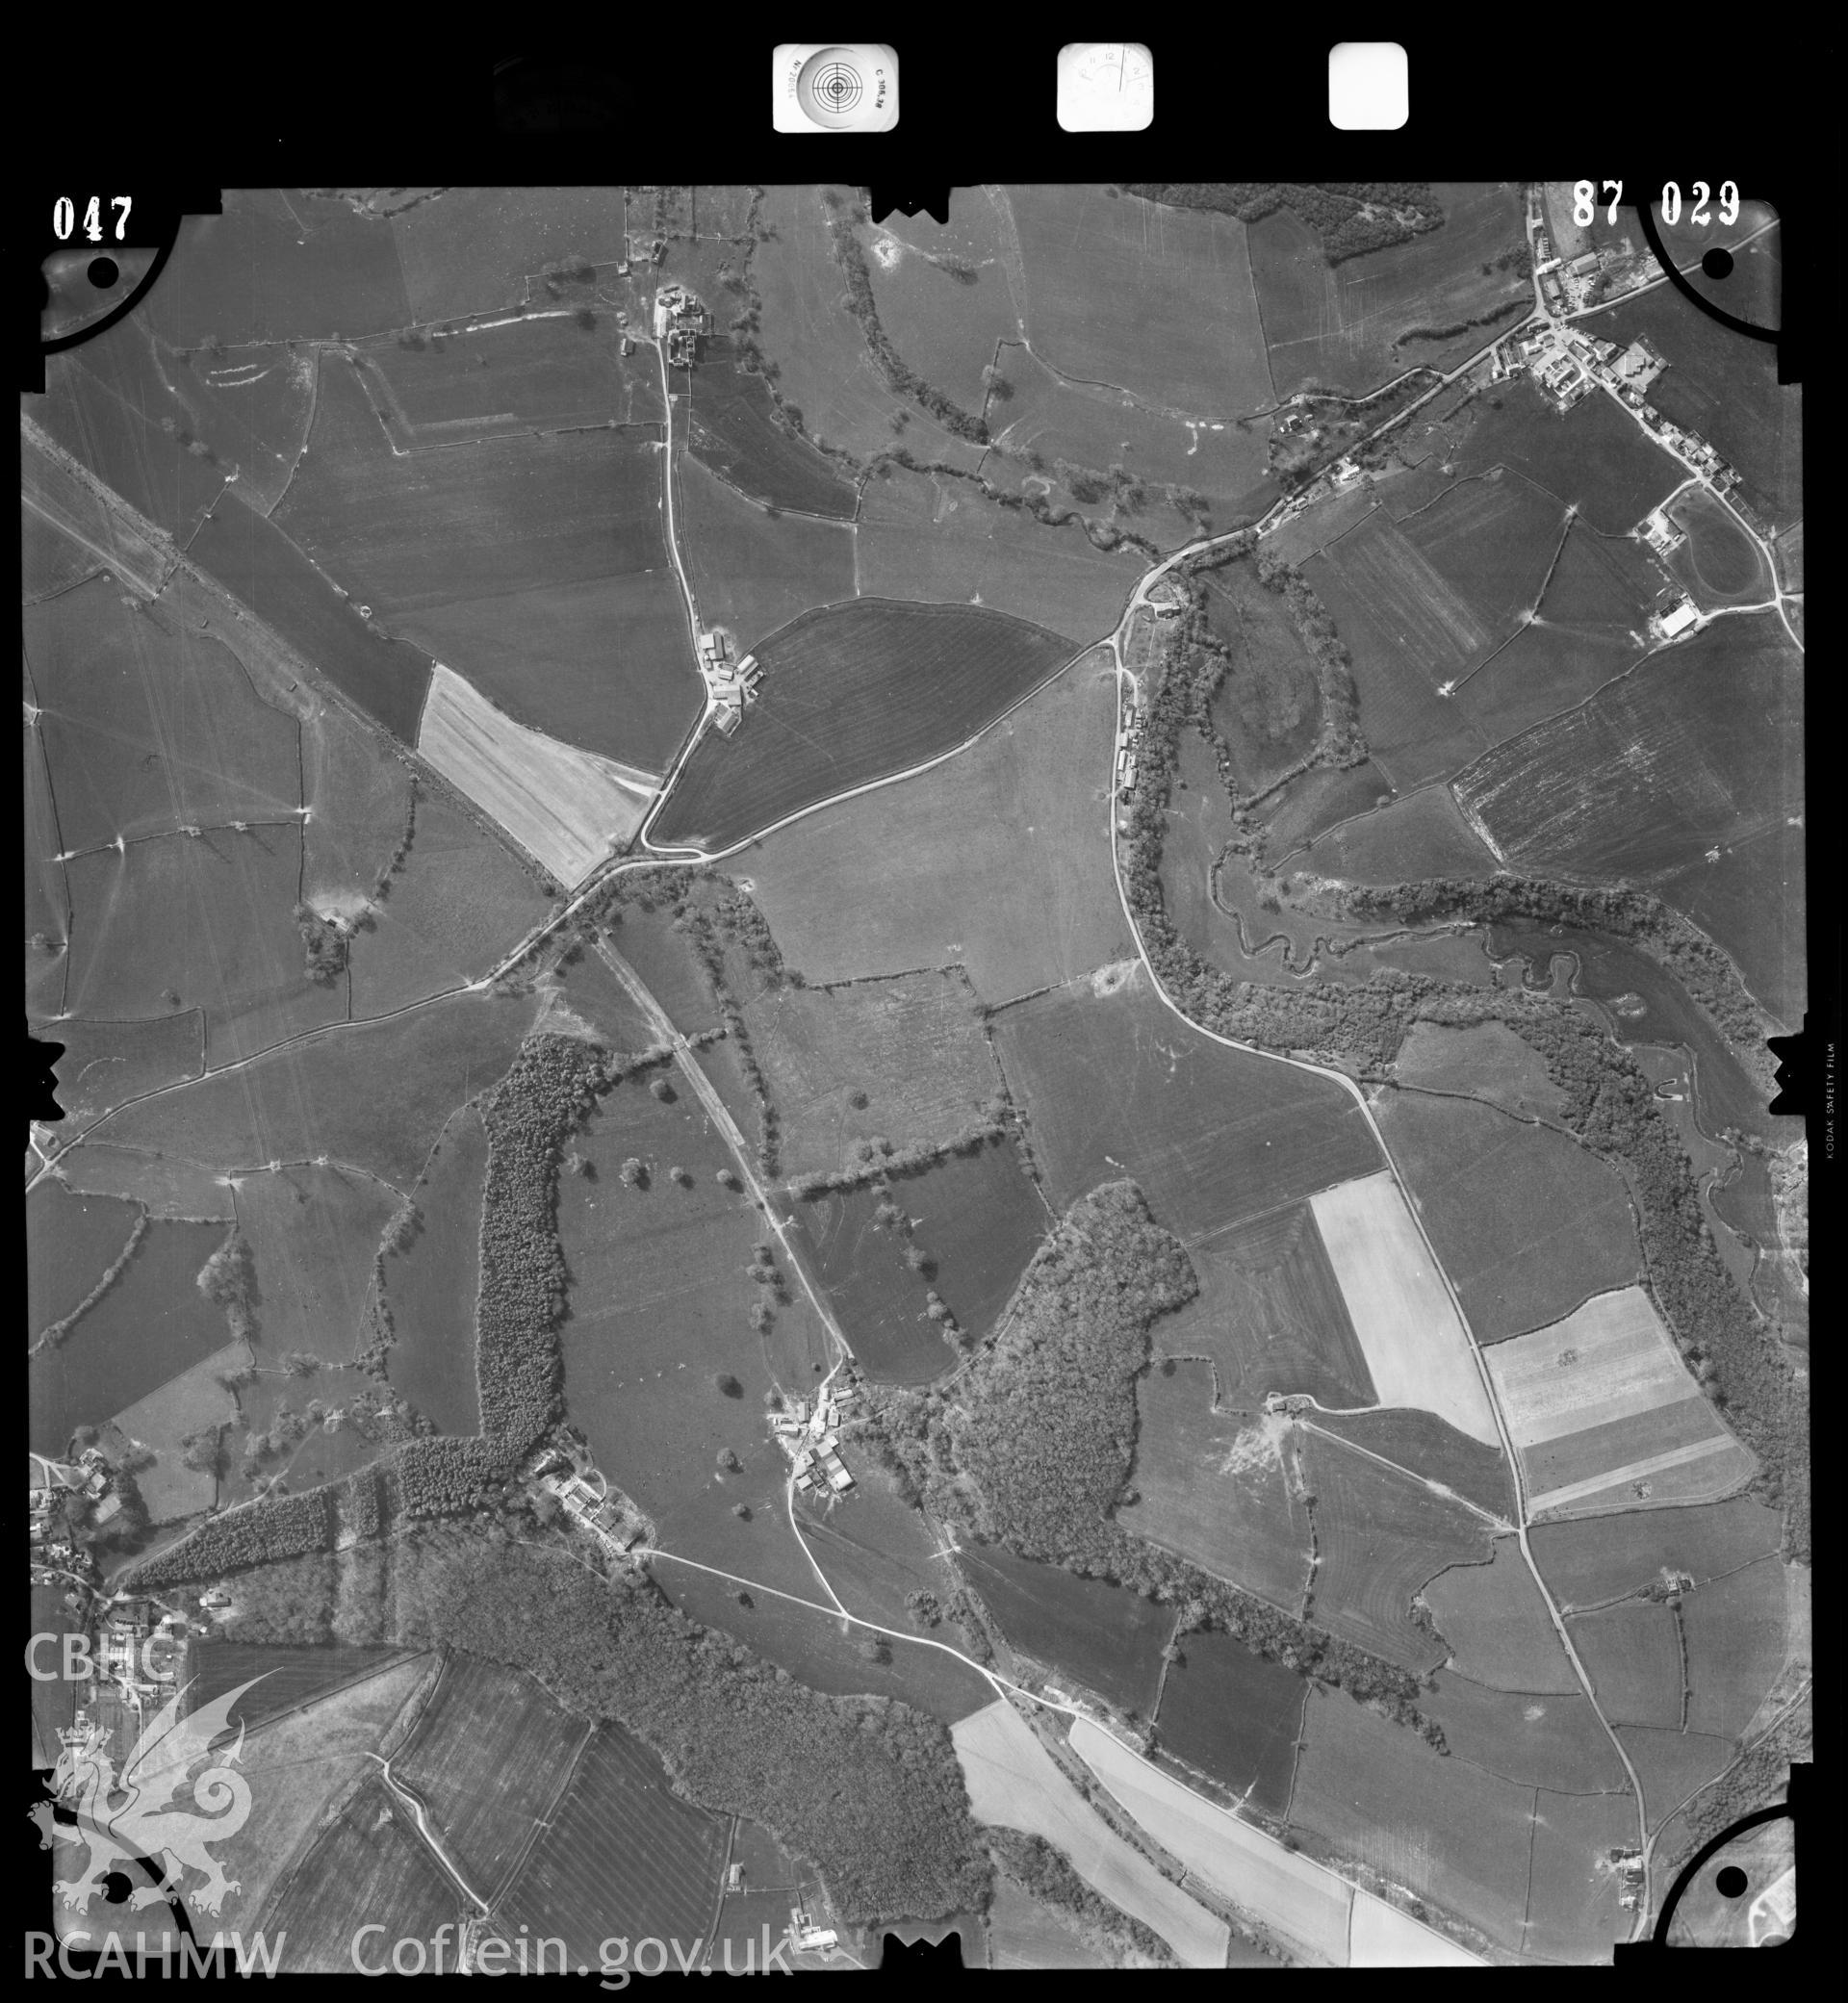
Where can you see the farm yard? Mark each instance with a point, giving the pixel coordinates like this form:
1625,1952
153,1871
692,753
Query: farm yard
1213,1485
1417,1350
736,435
1013,1784
753,570
430,1284
565,807
1234,1716
881,686
1525,1221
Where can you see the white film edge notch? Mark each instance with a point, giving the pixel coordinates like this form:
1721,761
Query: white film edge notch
835,86
1369,87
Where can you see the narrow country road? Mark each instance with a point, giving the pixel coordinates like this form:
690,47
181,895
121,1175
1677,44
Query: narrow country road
438,1849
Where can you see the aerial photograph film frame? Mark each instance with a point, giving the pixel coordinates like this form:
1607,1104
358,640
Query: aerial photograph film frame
906,964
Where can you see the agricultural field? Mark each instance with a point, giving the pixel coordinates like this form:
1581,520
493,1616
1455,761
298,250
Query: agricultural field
1633,1654
1497,1624
1025,1933
430,1285
910,1050
568,808
152,1323
594,994
1486,1061
1269,1314
162,1421
1719,564
1525,1221
1112,1084
1216,1486
1235,1716
1101,275
1600,1401
1430,1448
1283,1890
51,563
72,1242
993,860
106,1064
456,905
736,435
1268,707
1318,800
375,1094
1538,1740
1726,390
167,1188
1354,325
886,685
370,1861
47,891
249,409
146,729
1699,747
1102,1636
946,292
1596,458
1381,1537
357,786
542,374
1750,901
1013,1784
491,1756
1417,1350
1492,538
1736,1631
286,1680
471,249
1420,834
753,570
1673,1766
1572,1910
931,537
977,1219
259,566
1380,1936
1615,1557
313,1232
1440,1829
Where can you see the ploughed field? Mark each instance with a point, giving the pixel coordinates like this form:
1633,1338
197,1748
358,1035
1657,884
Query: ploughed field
854,693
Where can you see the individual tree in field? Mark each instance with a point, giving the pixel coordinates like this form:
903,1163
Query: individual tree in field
632,1172
728,1461
663,1091
729,1385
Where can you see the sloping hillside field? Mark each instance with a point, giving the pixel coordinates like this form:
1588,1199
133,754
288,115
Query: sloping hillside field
849,694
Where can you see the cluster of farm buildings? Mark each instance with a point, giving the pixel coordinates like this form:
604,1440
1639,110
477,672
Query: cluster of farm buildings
812,1440
51,1485
565,1472
1566,283
680,321
731,684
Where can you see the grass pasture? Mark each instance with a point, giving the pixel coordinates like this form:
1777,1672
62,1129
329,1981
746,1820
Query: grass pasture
108,1062
1596,458
1269,1315
994,860
1493,540
375,1094
1318,800
1633,1654
146,729
313,1232
1737,1629
167,1188
1751,902
1698,748
258,565
471,249
735,435
1234,1715
1026,1933
946,318
51,563
1153,299
1102,1636
539,374
1613,1557
369,1860
1348,325
490,1756
1213,1485
1673,1766
72,1242
621,1855
1430,1447
290,1679
568,808
878,1300
1114,1084
1543,1740
430,1285
1013,1784
185,1405
1497,1626
1417,1349
914,1047
1525,1221
250,409
1441,1829
357,788
751,571
1719,564
1420,834
1572,1910
1282,1889
853,693
151,1324
1485,1061
937,539
1381,1538
1268,707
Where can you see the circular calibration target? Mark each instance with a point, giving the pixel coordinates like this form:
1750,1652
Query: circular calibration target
831,88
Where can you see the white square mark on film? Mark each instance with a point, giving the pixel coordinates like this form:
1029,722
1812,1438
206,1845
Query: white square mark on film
1368,87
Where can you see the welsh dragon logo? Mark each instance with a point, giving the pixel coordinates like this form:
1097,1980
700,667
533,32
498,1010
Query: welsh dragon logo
150,1811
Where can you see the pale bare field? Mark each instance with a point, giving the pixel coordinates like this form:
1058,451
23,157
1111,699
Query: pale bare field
1382,1936
1704,1478
1014,1784
1610,1359
1415,1345
1284,1891
567,807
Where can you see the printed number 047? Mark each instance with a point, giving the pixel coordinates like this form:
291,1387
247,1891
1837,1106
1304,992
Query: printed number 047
64,216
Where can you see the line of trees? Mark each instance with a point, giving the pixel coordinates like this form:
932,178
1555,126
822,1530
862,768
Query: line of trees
57,1330
229,1277
1350,216
1038,1868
